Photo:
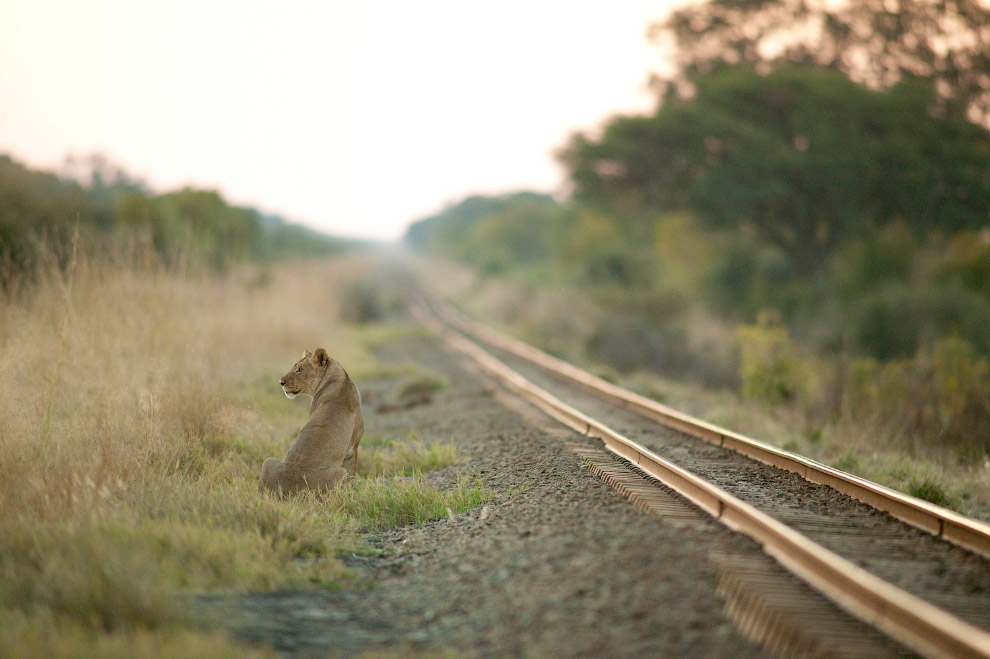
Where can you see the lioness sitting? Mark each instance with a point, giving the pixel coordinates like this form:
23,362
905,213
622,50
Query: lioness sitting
325,452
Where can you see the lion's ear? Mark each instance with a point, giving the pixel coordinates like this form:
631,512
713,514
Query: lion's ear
320,357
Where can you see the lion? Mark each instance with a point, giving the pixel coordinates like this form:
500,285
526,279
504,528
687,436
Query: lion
326,451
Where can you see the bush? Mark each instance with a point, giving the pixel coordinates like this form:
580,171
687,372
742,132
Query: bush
887,255
769,366
940,392
896,320
630,343
961,390
362,302
966,261
749,275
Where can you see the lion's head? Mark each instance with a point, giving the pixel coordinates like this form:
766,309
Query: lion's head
305,376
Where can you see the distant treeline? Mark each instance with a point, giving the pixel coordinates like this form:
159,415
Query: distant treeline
806,216
40,213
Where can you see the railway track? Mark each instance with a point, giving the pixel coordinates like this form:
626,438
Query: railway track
915,571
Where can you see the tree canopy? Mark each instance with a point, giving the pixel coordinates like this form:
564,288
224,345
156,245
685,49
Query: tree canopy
803,156
874,42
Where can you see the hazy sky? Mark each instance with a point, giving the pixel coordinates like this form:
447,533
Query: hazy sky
353,117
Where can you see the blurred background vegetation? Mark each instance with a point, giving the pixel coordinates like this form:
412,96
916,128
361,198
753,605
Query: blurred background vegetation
804,219
116,214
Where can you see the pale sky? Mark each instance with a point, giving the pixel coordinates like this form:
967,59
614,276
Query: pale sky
352,117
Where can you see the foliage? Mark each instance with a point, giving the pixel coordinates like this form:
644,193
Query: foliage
769,367
805,157
897,319
187,219
490,232
37,206
962,385
874,42
39,212
887,255
966,261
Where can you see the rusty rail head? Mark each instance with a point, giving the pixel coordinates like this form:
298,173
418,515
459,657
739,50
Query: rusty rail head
914,622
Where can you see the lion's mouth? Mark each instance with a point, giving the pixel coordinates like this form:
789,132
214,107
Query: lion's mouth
290,394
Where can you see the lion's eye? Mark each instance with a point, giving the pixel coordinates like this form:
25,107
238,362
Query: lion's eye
299,370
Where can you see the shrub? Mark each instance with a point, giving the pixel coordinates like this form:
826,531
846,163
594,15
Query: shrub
861,388
630,343
769,365
362,303
887,255
961,390
966,261
896,320
939,392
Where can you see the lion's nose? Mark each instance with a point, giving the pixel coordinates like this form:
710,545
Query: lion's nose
282,382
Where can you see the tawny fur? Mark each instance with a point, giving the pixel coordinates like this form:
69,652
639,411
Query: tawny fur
325,452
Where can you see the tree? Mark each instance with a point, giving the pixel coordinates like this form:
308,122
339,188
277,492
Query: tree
803,156
875,42
450,232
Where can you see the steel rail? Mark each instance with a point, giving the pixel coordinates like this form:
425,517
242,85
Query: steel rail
941,522
905,617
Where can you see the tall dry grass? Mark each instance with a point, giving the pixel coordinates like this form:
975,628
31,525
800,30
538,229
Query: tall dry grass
136,406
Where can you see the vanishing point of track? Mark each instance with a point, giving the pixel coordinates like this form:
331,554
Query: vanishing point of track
929,590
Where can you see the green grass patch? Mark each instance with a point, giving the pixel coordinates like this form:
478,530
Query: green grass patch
920,478
393,457
929,489
378,504
847,462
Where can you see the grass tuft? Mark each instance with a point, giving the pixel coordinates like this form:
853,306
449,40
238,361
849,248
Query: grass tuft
378,504
392,457
931,490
